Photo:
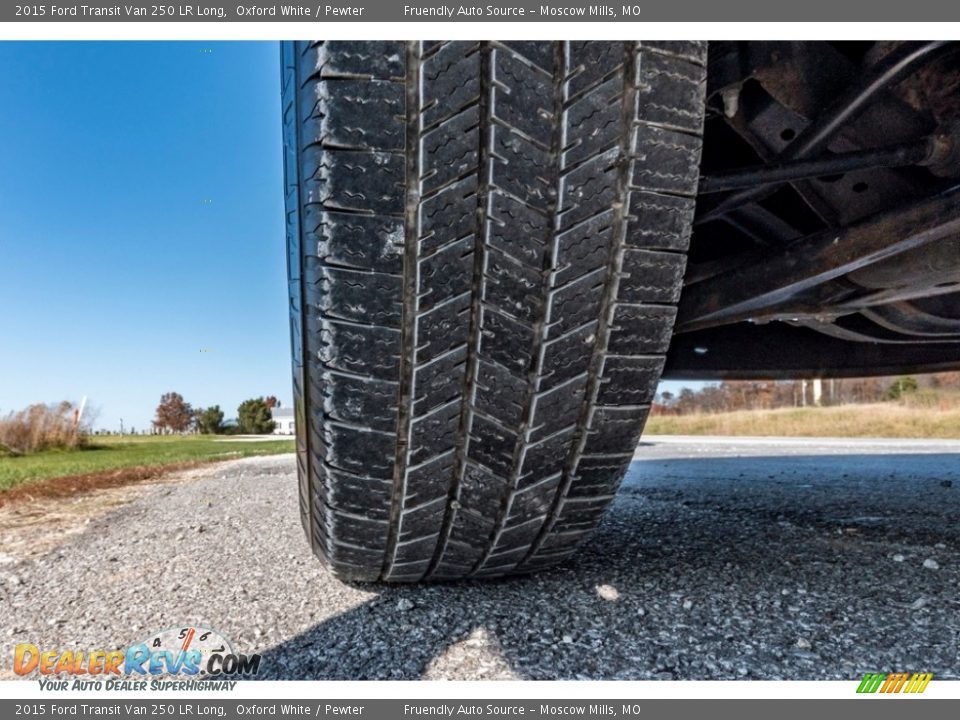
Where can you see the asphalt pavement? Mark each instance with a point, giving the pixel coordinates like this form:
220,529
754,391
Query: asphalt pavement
720,559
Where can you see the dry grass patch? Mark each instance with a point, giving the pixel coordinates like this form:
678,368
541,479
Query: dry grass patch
882,420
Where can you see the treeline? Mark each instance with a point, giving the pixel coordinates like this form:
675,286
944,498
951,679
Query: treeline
732,395
176,415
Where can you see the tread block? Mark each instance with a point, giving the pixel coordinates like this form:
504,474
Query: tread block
589,188
641,329
505,340
367,532
589,62
659,221
556,409
357,494
650,276
448,215
669,92
492,446
594,122
362,297
354,180
585,247
503,559
409,572
415,551
598,476
356,400
667,161
361,349
499,393
545,458
513,288
522,95
541,54
694,51
365,58
468,528
516,229
450,80
534,501
358,450
353,563
562,543
629,380
428,480
450,150
438,381
614,430
356,113
568,356
445,274
443,328
523,534
421,522
364,242
481,492
435,432
519,167
576,304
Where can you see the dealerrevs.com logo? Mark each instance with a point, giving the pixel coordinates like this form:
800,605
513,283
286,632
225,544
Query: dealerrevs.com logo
182,658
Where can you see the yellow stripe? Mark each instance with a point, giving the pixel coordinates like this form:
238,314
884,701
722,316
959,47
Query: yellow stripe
926,681
912,685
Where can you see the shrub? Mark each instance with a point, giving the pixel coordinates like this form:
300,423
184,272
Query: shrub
42,427
901,387
254,417
210,420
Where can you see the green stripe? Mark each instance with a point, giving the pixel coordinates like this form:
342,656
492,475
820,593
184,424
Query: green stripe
871,682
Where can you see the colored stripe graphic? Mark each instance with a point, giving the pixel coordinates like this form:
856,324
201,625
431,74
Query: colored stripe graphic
894,682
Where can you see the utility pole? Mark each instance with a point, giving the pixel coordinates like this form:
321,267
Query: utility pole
121,426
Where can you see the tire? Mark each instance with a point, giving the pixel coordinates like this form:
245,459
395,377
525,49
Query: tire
486,246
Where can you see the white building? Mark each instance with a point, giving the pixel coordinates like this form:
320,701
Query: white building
283,417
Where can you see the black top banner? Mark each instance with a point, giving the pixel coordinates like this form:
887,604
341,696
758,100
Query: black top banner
437,11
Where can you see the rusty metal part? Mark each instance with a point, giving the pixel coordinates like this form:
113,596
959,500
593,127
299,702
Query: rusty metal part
773,278
859,328
936,263
945,160
921,152
889,70
907,319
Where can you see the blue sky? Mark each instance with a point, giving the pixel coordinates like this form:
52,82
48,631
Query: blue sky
141,221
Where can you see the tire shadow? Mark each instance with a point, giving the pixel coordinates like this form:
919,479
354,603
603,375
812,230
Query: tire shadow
802,567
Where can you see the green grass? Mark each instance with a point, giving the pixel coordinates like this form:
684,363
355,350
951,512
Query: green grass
112,453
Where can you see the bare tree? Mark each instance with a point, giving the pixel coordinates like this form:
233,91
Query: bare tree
173,413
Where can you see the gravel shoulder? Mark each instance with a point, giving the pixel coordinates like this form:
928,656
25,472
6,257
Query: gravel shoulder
720,559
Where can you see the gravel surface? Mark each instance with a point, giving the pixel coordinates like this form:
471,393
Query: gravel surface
720,559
